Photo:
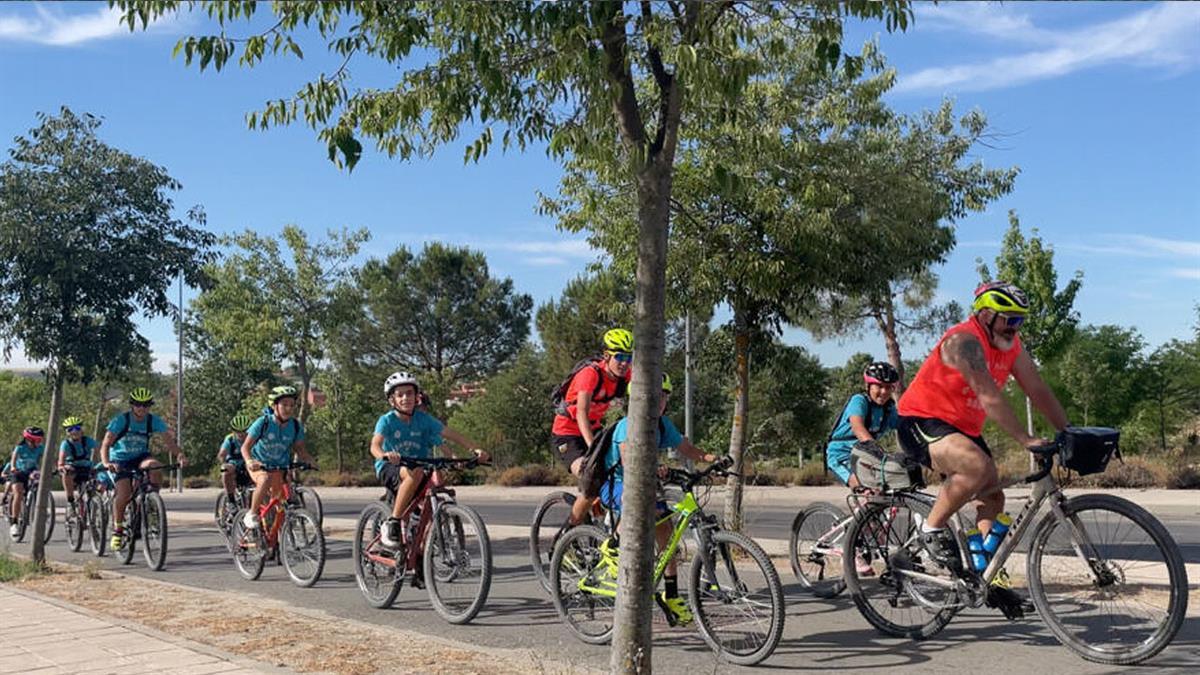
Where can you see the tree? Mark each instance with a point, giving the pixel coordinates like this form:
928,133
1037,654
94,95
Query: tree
571,328
1100,369
565,73
441,312
66,190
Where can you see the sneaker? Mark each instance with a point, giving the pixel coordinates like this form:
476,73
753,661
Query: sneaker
250,520
676,609
118,538
863,567
1002,596
943,548
389,535
14,530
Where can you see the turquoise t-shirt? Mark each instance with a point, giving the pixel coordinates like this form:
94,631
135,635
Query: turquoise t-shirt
233,449
273,445
669,438
136,442
416,438
78,454
28,457
882,420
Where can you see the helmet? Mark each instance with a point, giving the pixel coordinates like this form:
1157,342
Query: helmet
281,392
618,340
398,378
880,372
1002,297
33,434
141,395
72,422
241,422
667,383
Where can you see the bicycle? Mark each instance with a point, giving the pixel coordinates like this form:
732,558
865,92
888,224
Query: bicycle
555,510
1076,565
226,510
98,504
446,550
815,546
307,498
145,518
287,531
29,501
77,515
723,596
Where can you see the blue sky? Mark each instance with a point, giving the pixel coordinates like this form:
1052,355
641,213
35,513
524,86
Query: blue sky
1096,103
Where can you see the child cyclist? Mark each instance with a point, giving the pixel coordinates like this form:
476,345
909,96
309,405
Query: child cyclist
613,489
75,457
405,431
229,456
26,457
268,447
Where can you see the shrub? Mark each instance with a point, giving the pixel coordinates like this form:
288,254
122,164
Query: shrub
533,474
1134,472
15,569
196,482
343,479
1184,477
812,473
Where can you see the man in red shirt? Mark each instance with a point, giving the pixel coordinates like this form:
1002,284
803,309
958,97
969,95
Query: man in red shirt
590,393
957,388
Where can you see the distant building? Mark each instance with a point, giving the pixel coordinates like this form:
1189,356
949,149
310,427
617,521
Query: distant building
463,393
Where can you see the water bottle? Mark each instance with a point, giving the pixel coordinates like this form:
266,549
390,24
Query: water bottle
979,559
994,536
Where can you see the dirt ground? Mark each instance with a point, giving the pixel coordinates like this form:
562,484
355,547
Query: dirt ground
275,633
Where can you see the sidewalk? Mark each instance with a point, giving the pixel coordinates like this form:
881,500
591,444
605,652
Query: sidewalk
48,636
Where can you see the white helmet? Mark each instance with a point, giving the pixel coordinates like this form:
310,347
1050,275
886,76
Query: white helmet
398,378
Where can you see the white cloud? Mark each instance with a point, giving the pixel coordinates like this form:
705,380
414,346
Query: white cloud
1138,246
58,28
546,261
1192,273
574,248
1163,36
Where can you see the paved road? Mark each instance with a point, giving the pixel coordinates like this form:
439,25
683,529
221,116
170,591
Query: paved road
820,635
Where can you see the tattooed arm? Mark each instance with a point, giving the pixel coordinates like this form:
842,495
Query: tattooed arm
964,353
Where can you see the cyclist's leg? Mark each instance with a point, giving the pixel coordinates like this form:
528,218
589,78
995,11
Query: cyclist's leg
261,480
969,471
837,458
229,479
570,451
124,486
410,480
155,476
68,479
20,482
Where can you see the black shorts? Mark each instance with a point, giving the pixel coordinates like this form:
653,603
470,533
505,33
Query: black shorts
81,474
916,433
389,476
568,449
241,474
19,478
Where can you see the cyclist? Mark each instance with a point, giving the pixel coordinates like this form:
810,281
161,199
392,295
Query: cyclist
269,444
26,457
613,490
230,457
943,411
591,389
75,457
126,446
405,431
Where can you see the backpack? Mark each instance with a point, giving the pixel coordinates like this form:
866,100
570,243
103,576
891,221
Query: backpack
558,398
81,453
593,474
146,433
295,425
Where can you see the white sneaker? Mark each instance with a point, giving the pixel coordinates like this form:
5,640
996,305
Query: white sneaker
389,534
250,520
14,530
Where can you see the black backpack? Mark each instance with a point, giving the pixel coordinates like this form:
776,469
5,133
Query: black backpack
592,474
558,398
128,421
78,454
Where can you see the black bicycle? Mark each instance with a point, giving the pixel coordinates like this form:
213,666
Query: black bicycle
27,507
78,514
145,519
226,510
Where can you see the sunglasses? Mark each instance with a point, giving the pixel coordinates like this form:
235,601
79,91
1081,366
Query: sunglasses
140,405
74,428
1012,320
622,357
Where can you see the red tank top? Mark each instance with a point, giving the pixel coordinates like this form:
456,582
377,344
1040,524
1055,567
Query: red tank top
941,391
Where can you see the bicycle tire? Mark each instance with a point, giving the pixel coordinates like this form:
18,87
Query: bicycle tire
1164,630
577,557
224,511
929,615
51,515
703,596
301,538
98,523
132,523
541,547
155,533
447,535
808,529
379,583
310,500
249,553
74,522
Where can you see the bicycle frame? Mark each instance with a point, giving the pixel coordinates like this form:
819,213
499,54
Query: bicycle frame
431,494
277,503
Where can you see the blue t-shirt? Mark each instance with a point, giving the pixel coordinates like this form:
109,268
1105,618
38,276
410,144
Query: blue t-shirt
28,457
669,438
136,442
233,449
273,444
78,454
416,438
882,420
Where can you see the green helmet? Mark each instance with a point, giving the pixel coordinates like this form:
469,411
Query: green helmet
618,340
72,422
281,392
667,387
141,395
241,422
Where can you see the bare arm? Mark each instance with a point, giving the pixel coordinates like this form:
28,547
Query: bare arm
1026,372
247,446
859,428
583,405
106,445
687,449
301,448
461,441
964,353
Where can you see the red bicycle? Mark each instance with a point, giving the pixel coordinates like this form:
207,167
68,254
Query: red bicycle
286,530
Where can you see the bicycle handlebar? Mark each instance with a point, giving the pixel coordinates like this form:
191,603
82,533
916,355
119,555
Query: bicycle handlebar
1045,454
441,462
688,479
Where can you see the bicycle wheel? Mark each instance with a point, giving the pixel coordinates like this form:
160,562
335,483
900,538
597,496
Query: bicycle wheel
224,511
51,516
97,523
737,599
553,512
249,549
584,585
129,543
1127,600
458,563
302,547
379,581
815,549
886,535
154,531
75,522
310,500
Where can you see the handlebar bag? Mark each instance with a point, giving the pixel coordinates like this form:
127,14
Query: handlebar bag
879,469
1088,450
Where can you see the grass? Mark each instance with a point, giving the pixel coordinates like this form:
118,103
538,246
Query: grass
16,569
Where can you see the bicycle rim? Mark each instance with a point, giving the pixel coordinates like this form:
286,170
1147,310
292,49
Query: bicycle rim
550,520
249,552
75,524
51,516
379,582
815,552
737,599
1127,600
302,545
129,545
98,524
154,531
576,566
458,563
885,534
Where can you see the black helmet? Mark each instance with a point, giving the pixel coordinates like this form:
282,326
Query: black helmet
880,372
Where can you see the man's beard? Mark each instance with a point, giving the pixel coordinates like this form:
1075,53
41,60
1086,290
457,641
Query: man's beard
1002,341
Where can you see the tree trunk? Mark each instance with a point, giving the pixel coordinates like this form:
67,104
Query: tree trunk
893,345
741,421
337,444
49,461
305,382
100,413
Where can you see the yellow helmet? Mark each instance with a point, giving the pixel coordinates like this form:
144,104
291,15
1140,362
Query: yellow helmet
1000,296
667,383
241,422
282,392
141,395
618,340
72,422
